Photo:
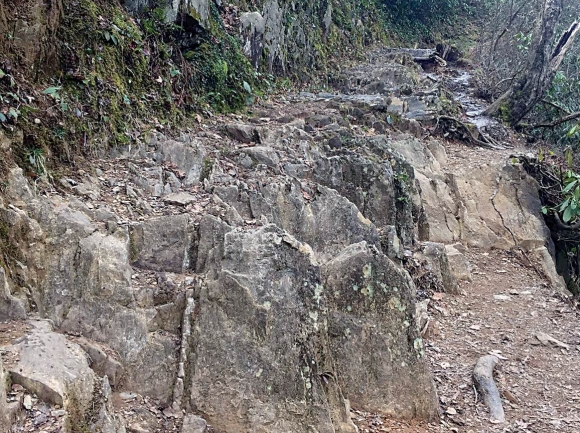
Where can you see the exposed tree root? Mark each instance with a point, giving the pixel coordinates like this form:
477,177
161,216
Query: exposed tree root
487,141
483,380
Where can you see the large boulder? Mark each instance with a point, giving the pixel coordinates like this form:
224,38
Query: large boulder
378,353
483,205
279,347
53,368
259,340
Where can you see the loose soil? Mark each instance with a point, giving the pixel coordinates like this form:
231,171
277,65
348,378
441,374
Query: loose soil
501,311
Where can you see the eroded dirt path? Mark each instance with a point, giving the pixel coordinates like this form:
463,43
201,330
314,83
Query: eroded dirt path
501,311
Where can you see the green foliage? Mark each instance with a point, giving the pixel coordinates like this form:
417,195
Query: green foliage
420,17
115,77
570,207
562,98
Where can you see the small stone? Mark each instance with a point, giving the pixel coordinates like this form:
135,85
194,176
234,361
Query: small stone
58,413
501,297
137,428
127,396
451,411
180,198
27,402
193,424
40,419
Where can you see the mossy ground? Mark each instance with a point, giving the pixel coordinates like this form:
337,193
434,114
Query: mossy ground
114,77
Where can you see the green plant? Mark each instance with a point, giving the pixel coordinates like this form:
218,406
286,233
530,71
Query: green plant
570,206
37,161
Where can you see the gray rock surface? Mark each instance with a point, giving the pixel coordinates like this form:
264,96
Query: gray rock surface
253,27
10,306
458,263
253,272
193,424
5,421
161,244
380,365
54,369
435,255
273,350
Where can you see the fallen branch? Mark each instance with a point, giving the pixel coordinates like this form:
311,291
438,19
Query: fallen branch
558,107
483,380
568,118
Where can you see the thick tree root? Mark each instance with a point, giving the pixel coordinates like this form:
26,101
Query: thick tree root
486,141
483,379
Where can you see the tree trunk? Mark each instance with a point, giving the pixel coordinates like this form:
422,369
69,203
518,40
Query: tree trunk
543,63
3,26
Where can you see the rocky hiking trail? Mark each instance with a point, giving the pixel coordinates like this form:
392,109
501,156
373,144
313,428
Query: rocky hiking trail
315,265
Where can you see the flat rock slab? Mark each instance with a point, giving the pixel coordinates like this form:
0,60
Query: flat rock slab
52,367
180,198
